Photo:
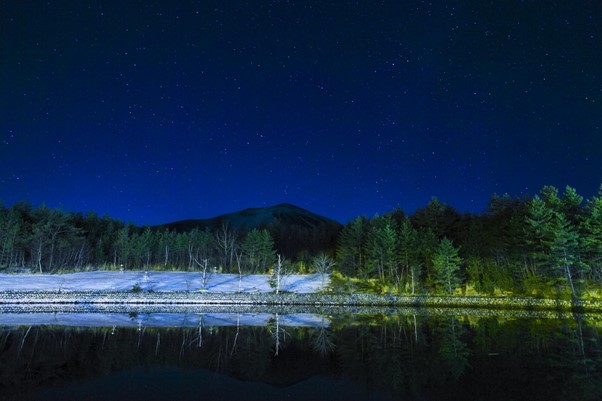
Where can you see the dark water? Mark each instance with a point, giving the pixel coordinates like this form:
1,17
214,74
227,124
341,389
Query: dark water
426,356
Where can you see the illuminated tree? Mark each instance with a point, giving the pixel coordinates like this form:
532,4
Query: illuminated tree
446,263
409,257
591,240
381,249
323,265
553,238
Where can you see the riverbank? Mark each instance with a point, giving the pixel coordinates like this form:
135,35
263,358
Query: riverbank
148,298
155,288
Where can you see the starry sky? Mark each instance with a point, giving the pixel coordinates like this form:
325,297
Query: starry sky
156,111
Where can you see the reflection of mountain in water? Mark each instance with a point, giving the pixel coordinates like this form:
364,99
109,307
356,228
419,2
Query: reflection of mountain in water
406,357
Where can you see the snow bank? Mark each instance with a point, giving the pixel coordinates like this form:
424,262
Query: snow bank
157,281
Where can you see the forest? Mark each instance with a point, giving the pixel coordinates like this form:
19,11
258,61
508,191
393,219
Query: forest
546,245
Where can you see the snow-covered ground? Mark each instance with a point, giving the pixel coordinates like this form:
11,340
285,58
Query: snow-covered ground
157,281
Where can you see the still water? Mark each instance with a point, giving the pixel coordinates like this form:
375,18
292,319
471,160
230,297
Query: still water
385,355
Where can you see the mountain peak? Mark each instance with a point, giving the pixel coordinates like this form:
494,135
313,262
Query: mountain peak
262,217
293,228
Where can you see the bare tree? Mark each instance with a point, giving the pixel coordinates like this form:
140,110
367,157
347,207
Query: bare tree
280,272
239,266
277,332
323,265
225,240
204,274
322,340
52,231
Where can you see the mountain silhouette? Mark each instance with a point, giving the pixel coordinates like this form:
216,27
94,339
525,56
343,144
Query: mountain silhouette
295,230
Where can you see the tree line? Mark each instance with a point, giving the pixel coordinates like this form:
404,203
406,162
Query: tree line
552,241
533,245
50,240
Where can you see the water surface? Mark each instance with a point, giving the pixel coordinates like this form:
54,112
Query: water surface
422,355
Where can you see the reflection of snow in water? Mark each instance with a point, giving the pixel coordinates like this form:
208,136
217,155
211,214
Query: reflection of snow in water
141,320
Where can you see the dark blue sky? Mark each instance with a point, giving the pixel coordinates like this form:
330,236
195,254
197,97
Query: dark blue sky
155,111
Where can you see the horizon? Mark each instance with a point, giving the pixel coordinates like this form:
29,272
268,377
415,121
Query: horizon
308,209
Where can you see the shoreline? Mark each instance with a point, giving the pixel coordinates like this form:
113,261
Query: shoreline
23,299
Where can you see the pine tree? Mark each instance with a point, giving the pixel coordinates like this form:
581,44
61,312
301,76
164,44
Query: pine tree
552,237
350,251
446,263
409,253
540,234
591,238
122,247
571,206
381,249
258,250
564,248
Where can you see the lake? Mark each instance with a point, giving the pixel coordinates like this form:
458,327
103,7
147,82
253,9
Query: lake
388,354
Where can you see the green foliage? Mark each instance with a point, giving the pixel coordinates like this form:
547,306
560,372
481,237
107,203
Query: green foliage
258,251
591,238
381,250
341,284
351,246
446,263
540,233
409,255
553,237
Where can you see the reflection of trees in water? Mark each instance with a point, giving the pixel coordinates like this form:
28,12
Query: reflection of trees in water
374,356
277,332
323,342
412,357
449,358
452,349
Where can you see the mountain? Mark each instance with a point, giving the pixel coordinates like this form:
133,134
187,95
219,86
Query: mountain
248,219
293,229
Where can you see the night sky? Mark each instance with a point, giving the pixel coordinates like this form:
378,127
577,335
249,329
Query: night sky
155,111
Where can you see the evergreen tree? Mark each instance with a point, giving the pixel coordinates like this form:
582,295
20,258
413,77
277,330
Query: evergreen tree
10,226
591,239
553,239
427,243
440,218
52,232
351,246
123,248
409,257
258,251
571,206
199,247
540,234
446,263
549,194
381,249
564,248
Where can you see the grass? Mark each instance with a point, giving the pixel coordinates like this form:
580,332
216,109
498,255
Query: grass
340,284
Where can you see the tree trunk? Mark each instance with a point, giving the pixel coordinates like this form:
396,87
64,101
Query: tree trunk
568,274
